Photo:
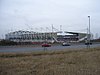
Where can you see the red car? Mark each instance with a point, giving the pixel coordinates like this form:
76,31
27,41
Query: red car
46,45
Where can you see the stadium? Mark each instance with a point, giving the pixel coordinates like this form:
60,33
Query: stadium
31,36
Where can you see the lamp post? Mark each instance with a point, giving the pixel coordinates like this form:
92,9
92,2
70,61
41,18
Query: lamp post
89,32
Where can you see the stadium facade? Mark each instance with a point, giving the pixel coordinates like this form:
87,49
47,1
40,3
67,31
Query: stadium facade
30,36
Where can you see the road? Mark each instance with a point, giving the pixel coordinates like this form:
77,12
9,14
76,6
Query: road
20,49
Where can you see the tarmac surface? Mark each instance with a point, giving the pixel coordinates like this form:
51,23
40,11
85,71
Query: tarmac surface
20,49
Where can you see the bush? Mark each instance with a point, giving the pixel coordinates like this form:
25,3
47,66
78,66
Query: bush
7,42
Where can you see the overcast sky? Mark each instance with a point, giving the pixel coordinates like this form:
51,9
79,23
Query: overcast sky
37,14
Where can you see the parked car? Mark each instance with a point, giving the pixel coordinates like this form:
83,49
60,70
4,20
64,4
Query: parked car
46,45
65,44
87,43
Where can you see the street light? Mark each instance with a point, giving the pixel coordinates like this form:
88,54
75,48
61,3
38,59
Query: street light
89,32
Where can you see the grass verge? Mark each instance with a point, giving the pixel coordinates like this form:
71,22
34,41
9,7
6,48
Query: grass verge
76,62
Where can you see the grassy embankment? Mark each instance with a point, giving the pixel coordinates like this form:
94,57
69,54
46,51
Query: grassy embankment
83,62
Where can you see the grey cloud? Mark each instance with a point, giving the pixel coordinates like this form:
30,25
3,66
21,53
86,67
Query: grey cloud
71,14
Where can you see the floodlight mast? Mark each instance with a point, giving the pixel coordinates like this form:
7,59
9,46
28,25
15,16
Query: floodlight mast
89,32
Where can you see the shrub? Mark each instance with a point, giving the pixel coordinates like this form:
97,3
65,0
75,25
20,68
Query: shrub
7,42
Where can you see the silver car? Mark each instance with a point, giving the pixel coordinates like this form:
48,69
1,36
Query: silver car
65,44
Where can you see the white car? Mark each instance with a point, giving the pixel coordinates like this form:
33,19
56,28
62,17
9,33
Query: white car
65,44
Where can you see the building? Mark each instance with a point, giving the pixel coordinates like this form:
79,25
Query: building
71,36
30,36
